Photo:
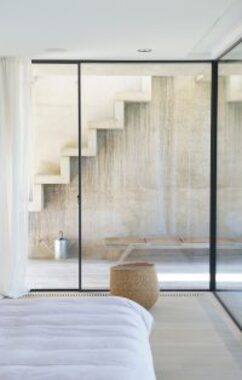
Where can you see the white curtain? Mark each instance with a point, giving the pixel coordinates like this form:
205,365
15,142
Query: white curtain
14,173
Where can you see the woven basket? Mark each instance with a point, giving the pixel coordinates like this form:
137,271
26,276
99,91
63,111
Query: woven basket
136,281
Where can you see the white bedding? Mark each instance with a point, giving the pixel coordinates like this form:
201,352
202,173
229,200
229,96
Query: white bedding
97,338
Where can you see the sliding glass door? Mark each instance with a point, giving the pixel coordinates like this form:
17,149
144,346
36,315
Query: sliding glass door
145,165
53,207
229,191
142,172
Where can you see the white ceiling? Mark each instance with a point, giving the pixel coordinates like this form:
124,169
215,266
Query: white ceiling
115,29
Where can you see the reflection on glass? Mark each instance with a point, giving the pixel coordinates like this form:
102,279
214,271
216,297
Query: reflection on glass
145,171
229,218
53,216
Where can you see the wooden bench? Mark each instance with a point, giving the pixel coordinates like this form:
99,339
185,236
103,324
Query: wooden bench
125,245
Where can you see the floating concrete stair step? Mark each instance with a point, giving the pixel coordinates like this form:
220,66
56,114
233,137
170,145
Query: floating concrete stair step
37,203
55,179
51,179
104,124
63,178
135,97
70,152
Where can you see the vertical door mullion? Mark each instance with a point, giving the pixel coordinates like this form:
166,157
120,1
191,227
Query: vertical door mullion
79,179
213,177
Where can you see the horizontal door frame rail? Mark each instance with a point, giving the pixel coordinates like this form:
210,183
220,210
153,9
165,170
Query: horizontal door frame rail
82,61
229,290
76,290
87,290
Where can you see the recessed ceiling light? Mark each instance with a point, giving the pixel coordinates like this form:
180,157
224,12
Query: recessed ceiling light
145,50
55,50
199,77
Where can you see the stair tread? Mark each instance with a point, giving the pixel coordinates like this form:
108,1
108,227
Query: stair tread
50,179
133,97
104,124
70,152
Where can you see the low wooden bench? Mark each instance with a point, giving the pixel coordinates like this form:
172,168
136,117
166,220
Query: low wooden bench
125,245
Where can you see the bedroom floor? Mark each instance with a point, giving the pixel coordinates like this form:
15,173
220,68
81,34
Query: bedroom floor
194,339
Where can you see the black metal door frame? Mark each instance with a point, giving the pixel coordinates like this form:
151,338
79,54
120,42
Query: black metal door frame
213,175
213,163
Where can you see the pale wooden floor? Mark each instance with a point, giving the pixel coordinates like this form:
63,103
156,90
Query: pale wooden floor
193,339
233,301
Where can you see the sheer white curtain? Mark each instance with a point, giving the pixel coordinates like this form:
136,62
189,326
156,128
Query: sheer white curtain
14,173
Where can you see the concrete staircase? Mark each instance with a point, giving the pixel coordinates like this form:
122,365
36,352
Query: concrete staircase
90,149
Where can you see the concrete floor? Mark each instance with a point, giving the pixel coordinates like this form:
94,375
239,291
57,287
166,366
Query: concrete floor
177,269
193,339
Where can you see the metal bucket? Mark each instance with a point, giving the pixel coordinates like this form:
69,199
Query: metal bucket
61,247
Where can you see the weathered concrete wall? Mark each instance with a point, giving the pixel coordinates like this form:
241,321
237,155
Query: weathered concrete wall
152,178
229,166
60,213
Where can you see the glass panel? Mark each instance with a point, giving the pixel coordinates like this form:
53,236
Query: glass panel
234,54
53,216
229,222
145,171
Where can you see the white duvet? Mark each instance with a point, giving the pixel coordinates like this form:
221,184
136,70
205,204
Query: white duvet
98,338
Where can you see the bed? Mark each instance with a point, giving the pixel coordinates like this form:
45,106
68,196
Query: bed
84,338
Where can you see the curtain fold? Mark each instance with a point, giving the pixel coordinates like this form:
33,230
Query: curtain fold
14,173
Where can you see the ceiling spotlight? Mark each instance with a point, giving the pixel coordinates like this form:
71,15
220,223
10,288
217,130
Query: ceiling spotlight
55,50
144,50
199,77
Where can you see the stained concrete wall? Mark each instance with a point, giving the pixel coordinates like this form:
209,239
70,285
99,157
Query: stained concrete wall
229,165
152,178
60,213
